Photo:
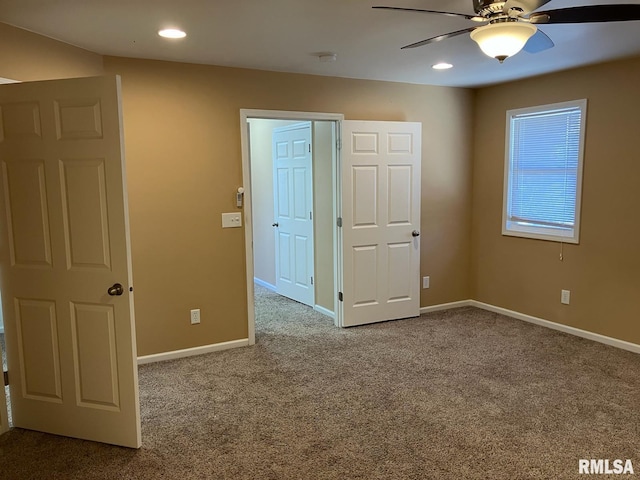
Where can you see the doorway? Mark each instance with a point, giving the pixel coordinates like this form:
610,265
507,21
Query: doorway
293,209
257,134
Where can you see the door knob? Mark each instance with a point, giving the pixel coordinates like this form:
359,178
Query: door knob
275,224
115,290
415,233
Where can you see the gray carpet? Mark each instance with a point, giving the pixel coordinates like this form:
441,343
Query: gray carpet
461,394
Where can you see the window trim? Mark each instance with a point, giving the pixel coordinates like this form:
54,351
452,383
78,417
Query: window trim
538,232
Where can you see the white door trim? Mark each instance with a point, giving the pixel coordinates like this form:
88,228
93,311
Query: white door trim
246,114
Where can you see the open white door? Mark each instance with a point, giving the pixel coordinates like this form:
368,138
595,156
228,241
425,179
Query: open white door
65,266
293,207
380,221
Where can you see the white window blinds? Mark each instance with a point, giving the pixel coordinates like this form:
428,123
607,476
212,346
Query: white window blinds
543,171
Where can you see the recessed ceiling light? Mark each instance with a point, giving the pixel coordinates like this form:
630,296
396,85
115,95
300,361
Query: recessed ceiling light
172,33
442,66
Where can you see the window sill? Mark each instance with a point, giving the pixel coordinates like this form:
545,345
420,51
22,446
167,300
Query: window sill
541,233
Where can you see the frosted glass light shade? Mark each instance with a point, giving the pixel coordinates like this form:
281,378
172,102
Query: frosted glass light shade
504,39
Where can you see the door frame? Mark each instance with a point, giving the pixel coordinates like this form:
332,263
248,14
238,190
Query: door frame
245,115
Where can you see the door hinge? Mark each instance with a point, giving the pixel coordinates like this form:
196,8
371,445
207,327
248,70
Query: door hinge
311,280
310,215
309,148
6,378
339,221
339,144
340,296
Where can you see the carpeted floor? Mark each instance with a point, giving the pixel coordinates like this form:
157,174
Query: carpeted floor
461,394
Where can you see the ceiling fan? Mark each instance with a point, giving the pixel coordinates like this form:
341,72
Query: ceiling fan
509,26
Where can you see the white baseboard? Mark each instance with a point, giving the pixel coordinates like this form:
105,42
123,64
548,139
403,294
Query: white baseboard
264,284
190,352
324,311
596,337
445,306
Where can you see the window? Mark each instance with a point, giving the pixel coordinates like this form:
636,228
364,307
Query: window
543,171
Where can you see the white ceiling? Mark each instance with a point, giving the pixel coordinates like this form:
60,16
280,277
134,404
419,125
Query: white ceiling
287,35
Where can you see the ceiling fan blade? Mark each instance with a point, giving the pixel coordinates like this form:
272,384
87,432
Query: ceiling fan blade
538,43
439,38
588,14
449,14
527,6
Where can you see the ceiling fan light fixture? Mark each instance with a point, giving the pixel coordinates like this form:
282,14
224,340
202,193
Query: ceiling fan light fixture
503,39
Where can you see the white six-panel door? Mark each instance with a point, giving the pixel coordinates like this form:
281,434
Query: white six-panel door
381,221
64,244
293,207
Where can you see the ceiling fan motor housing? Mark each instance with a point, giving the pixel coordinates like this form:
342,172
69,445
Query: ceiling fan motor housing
487,8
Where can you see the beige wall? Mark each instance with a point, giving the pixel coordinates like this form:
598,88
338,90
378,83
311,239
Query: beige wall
323,213
26,56
182,137
603,271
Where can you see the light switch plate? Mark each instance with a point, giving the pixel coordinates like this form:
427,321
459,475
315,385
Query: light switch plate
231,220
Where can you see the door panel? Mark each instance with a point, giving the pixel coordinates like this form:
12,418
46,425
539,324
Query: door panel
381,209
78,118
284,257
283,194
399,257
365,194
400,194
66,241
28,226
300,181
365,269
301,254
20,120
95,356
84,213
293,207
38,347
